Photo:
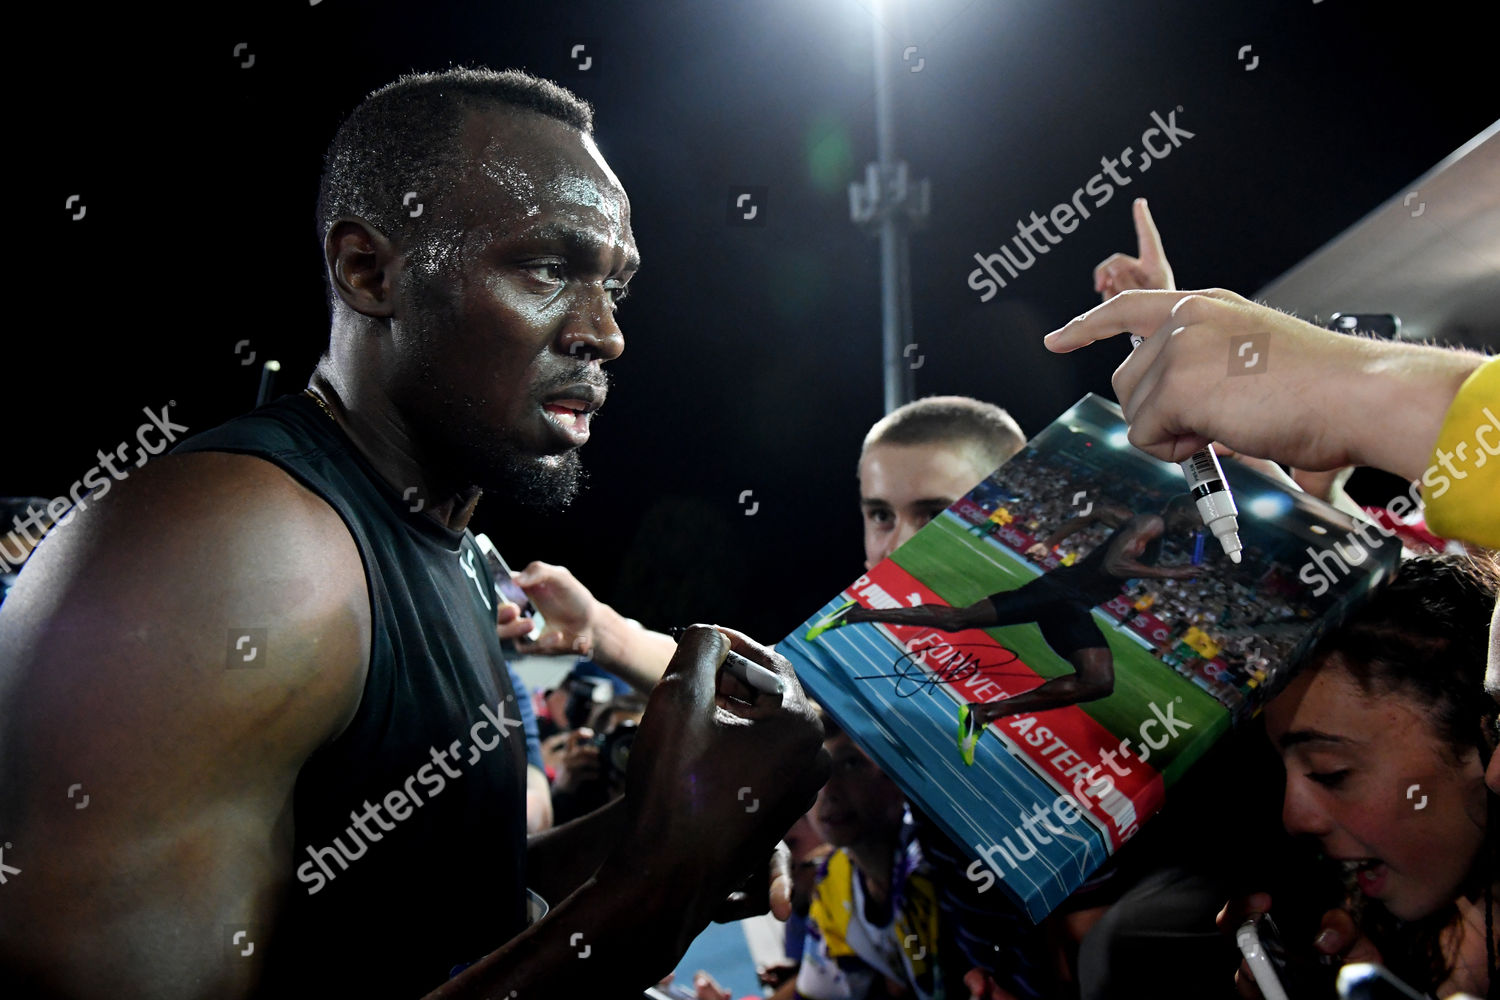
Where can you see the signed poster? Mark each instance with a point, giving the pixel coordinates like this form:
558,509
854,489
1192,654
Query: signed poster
1039,665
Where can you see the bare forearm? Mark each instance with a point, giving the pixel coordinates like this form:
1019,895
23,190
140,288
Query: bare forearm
616,930
563,858
1400,395
1143,571
631,651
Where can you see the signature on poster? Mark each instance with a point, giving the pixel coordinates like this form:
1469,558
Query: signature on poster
929,667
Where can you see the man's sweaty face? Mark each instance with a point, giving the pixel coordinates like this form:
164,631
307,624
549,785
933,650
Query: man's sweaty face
903,486
506,316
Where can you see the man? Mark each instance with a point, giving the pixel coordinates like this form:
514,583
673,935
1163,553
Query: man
261,664
918,459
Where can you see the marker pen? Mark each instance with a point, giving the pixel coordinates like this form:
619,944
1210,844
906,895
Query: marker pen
747,672
753,674
1214,501
1205,478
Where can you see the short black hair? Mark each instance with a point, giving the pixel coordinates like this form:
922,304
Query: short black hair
986,427
403,137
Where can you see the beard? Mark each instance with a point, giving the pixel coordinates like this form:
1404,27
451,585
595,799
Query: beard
544,485
472,454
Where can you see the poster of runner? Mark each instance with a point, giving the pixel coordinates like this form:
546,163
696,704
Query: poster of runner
1041,663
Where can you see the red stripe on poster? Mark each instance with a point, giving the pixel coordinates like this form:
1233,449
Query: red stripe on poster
1066,747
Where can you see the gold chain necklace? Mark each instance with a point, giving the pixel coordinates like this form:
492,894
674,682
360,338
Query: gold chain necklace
317,397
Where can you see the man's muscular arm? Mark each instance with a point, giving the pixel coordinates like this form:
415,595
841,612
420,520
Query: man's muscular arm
561,859
117,674
686,839
1145,572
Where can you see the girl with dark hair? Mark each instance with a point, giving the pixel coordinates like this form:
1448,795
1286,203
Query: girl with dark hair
1385,737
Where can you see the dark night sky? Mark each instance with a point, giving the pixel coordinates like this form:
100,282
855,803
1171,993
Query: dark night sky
753,358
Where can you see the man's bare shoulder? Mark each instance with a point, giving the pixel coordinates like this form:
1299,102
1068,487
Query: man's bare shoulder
177,573
175,650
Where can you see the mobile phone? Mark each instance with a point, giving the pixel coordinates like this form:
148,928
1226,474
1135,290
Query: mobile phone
1366,981
670,992
1386,326
1278,975
1256,937
507,588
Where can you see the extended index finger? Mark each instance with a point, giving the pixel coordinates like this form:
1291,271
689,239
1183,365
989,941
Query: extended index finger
1139,310
1147,238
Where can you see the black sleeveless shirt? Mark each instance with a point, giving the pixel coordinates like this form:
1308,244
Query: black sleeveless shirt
410,827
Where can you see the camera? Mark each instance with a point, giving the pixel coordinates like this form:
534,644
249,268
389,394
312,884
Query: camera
614,748
585,695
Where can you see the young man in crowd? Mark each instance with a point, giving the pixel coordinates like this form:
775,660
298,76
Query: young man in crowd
917,460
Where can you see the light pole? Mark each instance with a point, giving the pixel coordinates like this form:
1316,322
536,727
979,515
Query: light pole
889,203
